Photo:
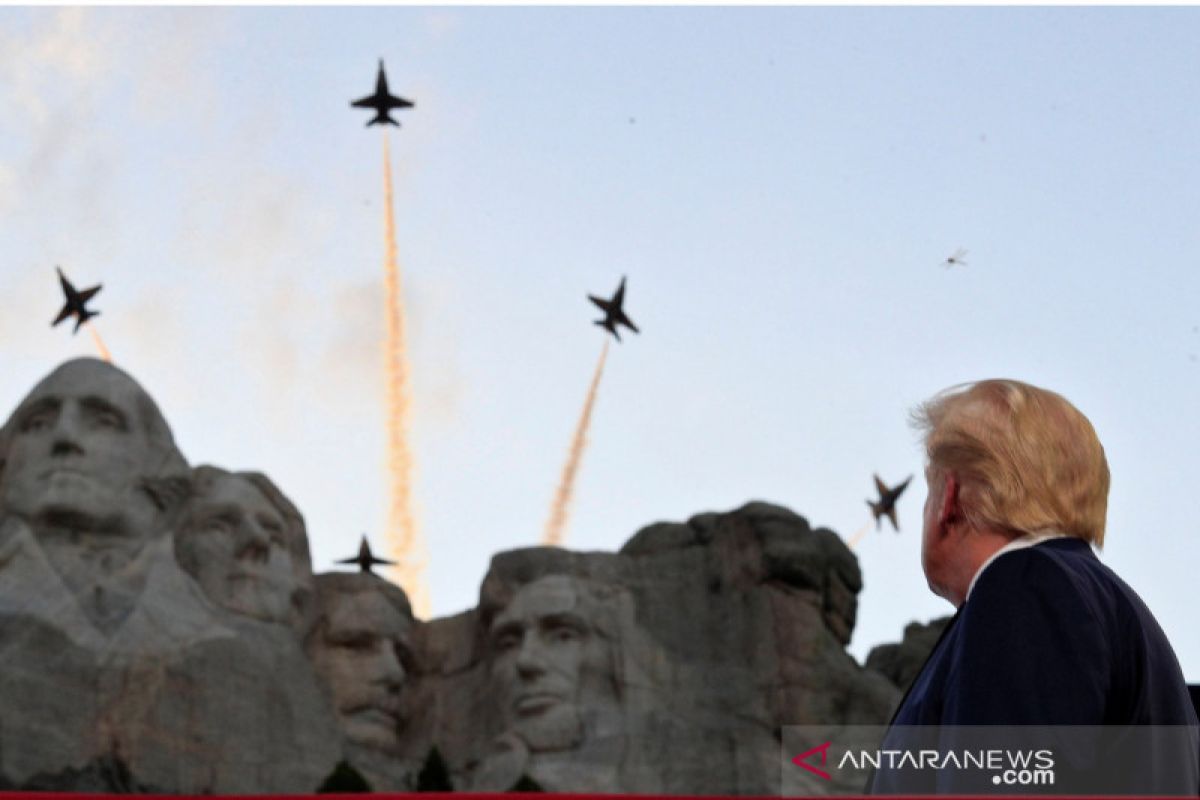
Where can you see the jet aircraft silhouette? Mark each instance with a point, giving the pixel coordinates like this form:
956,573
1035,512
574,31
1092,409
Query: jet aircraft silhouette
887,501
76,303
365,558
956,260
614,315
382,101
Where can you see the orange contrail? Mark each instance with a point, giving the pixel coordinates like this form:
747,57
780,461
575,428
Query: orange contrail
857,537
104,354
557,526
404,541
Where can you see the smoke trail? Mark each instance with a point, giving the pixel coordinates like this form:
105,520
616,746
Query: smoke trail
104,354
556,527
858,535
404,542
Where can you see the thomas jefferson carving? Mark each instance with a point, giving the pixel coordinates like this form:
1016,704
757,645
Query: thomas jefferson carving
245,544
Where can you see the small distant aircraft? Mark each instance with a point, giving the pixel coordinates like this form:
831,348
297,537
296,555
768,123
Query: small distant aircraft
365,558
614,315
382,101
956,260
887,501
76,304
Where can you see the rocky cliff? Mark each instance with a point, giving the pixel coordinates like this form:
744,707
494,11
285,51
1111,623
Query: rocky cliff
161,630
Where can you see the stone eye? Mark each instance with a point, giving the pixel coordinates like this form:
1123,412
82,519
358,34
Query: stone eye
107,419
221,524
36,422
564,634
507,641
356,641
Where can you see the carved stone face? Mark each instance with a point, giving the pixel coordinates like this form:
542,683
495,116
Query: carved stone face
235,544
360,647
548,665
78,448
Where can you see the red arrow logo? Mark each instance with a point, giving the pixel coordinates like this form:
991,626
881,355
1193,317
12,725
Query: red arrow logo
823,749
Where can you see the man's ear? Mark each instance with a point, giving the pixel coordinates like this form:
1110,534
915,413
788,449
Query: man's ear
950,511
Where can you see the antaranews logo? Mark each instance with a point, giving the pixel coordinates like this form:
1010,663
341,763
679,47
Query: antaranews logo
823,749
1008,767
989,759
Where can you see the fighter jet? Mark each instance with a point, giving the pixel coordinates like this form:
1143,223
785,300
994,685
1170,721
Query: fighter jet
365,558
382,101
887,501
76,304
958,259
614,315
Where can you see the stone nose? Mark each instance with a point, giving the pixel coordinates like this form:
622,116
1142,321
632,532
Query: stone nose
530,660
254,543
66,436
389,671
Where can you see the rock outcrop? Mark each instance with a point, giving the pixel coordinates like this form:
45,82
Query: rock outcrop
161,630
681,657
901,662
122,670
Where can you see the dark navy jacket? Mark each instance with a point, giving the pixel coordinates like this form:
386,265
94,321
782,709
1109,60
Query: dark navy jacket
1049,636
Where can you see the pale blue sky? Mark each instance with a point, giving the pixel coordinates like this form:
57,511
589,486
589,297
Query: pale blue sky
780,186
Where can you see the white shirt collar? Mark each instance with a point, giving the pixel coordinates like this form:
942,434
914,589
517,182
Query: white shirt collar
1021,542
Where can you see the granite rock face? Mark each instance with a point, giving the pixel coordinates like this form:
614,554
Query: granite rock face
161,630
669,666
901,662
123,671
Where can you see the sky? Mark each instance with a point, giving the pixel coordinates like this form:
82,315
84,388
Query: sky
781,187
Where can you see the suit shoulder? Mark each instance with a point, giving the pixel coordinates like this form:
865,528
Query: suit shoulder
1042,580
1016,568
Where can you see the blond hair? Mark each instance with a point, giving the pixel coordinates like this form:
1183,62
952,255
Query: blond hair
1025,458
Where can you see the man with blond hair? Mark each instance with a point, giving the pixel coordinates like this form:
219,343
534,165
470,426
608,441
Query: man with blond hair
1045,634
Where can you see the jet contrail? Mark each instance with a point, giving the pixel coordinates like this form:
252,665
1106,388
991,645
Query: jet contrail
104,354
557,526
404,542
861,532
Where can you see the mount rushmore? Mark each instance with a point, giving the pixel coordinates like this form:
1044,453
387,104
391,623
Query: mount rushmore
161,630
